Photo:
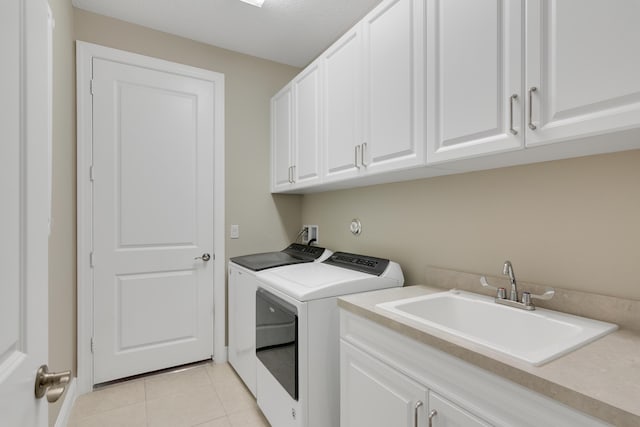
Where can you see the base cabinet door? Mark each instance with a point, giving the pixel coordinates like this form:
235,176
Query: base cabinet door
581,81
443,413
375,395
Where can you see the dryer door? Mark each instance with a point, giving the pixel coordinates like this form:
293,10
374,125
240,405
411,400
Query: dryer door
277,339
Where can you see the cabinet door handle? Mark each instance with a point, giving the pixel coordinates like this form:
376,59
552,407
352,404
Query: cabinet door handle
415,412
357,149
290,174
293,174
513,98
531,90
362,154
432,414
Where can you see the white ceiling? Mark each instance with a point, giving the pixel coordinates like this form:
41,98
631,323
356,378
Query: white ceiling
292,32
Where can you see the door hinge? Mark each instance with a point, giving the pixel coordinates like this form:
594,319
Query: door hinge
91,86
91,259
92,345
91,173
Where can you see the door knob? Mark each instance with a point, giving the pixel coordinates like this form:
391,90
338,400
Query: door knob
204,257
50,383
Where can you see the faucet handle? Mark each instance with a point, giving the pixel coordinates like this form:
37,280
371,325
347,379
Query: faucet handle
547,295
501,293
485,284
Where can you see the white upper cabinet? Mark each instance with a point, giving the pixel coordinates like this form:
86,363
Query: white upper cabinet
296,133
394,86
474,78
342,106
421,88
584,63
374,93
307,130
281,138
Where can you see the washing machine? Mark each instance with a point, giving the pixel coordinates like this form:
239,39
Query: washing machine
297,335
242,293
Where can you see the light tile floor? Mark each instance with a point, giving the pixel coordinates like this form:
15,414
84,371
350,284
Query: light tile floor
205,395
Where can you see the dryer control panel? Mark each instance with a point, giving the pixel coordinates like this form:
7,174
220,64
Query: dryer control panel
362,263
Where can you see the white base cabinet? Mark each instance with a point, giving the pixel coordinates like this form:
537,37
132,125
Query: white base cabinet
388,379
374,395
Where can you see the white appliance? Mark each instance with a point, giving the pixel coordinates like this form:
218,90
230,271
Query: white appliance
242,301
297,335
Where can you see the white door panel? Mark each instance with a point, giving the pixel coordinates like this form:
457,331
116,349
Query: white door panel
307,125
393,79
24,208
582,59
448,414
153,215
342,105
374,394
474,67
281,138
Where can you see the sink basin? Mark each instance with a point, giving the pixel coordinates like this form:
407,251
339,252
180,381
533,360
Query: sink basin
535,337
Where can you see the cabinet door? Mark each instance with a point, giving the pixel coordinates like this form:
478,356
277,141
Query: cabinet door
375,395
281,138
342,106
474,78
394,86
306,152
582,58
446,413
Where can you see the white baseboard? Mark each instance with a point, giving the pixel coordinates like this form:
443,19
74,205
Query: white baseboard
67,404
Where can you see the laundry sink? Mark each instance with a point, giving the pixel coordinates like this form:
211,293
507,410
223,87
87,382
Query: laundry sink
535,337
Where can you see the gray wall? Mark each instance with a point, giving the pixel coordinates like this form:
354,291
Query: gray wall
570,223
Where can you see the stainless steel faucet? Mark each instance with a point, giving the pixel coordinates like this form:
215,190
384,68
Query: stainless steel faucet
507,270
514,300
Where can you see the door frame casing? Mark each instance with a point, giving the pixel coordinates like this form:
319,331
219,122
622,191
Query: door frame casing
85,52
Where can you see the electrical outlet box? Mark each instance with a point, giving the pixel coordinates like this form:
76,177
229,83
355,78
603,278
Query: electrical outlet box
310,233
235,231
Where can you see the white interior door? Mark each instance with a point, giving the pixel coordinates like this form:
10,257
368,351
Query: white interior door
153,157
24,210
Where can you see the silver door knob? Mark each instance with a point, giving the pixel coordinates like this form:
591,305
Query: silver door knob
50,383
204,257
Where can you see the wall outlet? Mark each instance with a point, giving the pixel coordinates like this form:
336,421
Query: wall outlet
310,233
235,231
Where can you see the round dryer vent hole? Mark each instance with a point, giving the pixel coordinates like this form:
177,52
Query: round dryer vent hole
355,227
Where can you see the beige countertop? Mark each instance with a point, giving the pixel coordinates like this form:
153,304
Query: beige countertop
601,379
